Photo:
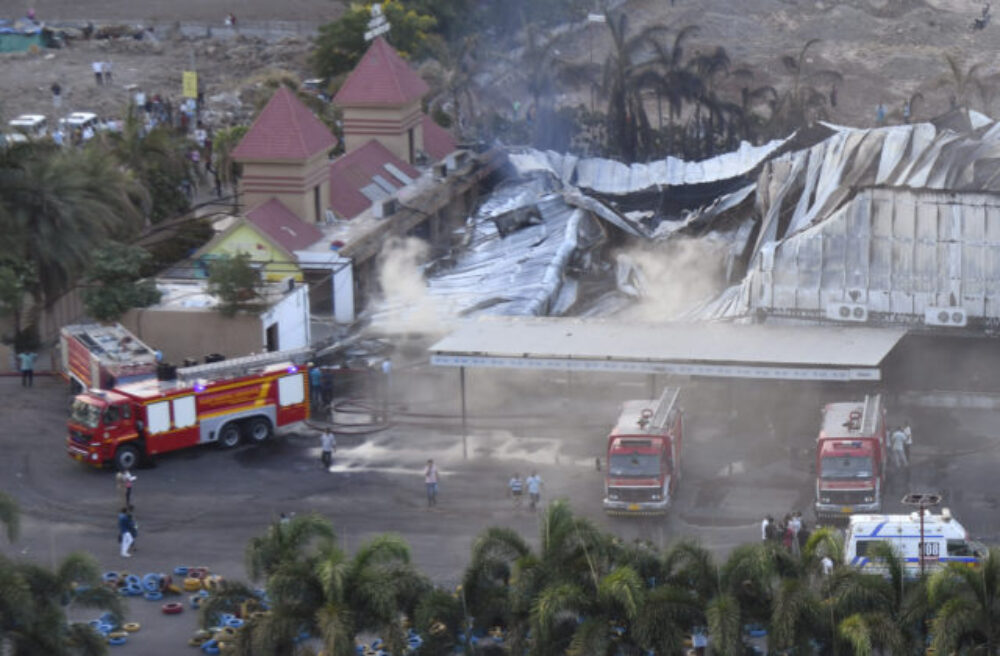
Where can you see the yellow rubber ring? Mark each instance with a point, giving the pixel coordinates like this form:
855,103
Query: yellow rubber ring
132,627
117,634
191,584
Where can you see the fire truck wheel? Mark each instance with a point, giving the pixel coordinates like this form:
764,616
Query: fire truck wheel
229,436
126,457
259,429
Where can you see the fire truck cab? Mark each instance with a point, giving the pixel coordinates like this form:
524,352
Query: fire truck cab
851,458
644,456
244,398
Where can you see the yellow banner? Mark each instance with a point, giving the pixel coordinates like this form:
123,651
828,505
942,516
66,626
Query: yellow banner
190,84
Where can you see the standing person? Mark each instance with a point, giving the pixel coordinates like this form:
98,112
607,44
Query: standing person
126,531
534,483
127,480
315,386
767,528
897,442
26,360
827,564
98,69
56,95
908,432
880,114
431,481
328,444
794,526
516,486
106,70
120,487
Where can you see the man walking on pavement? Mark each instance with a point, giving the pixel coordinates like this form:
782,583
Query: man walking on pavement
534,483
328,444
908,432
126,531
431,481
27,364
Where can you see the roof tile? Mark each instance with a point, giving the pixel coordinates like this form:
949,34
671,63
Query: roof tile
381,78
438,142
285,129
282,226
357,170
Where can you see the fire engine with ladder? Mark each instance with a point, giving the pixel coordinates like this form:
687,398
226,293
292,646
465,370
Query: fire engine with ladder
218,403
644,456
851,458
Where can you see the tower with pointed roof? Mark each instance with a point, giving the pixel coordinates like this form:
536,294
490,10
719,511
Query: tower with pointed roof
381,100
285,155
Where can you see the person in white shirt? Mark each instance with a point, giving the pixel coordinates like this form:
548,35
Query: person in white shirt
897,442
908,432
516,486
827,564
98,69
328,444
534,483
763,528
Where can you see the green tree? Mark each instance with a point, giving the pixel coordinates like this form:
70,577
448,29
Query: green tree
967,607
159,161
113,282
340,44
17,277
10,516
235,281
57,206
223,144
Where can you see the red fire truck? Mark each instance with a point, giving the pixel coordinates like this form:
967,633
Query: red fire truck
221,403
644,456
851,458
94,355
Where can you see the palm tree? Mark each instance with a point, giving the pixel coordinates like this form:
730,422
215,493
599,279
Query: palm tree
963,83
628,124
287,540
223,144
34,603
967,607
803,103
672,79
57,205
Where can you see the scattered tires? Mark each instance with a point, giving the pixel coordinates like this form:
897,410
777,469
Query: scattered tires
132,627
117,642
172,608
229,436
192,584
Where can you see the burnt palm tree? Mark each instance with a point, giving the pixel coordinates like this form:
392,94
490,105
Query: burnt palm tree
673,80
963,83
629,131
803,102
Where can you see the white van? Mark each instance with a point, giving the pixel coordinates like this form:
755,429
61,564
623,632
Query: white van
79,121
945,541
27,126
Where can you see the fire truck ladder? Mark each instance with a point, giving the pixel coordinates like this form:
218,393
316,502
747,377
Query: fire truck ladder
664,406
243,366
869,416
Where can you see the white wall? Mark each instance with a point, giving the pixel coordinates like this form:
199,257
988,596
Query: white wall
291,314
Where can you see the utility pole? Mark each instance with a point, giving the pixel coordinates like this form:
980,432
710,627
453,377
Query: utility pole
922,501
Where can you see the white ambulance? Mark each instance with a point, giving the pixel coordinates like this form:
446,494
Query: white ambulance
945,541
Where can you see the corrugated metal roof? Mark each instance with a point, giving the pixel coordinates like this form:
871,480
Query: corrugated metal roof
715,343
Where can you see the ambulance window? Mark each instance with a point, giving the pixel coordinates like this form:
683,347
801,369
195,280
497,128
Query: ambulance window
959,548
184,412
291,390
158,416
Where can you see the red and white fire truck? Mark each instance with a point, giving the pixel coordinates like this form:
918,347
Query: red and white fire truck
851,458
221,403
98,356
644,456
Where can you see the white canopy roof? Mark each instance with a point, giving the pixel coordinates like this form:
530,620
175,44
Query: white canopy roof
692,349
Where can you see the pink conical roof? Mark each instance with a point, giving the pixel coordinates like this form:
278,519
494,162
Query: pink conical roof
381,78
285,129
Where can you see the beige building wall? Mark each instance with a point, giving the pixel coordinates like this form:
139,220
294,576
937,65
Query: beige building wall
296,184
194,333
390,125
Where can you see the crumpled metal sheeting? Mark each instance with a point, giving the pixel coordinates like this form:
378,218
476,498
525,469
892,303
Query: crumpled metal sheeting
522,273
609,177
900,250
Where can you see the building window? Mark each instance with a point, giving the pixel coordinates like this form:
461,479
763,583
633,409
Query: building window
317,210
409,135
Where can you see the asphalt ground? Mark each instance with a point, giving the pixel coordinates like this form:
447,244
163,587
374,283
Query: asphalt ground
200,507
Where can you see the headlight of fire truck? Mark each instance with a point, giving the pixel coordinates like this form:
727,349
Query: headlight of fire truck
824,499
870,499
656,496
613,496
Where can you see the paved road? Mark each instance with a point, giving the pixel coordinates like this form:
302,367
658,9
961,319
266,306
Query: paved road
200,507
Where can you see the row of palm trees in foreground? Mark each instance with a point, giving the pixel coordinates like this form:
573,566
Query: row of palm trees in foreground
577,590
